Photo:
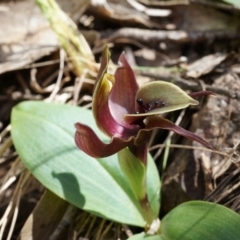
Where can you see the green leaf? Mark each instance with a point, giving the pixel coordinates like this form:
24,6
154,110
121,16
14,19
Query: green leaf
153,185
144,236
43,136
197,220
235,3
135,171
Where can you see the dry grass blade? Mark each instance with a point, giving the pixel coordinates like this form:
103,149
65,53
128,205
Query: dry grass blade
71,40
12,210
189,147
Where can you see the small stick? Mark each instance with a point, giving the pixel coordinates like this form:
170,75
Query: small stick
178,36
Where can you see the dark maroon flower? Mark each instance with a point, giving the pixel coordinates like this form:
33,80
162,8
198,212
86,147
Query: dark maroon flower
126,113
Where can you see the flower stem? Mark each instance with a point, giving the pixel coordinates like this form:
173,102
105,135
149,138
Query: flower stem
147,211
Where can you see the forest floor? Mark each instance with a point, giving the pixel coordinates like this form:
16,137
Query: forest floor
193,44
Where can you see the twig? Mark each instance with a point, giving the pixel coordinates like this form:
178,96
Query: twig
222,185
78,85
5,145
188,147
4,132
85,218
179,36
90,227
15,213
127,230
107,229
23,84
100,229
13,207
34,84
164,3
218,5
59,79
67,59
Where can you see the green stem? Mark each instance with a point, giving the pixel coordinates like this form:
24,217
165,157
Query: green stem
147,210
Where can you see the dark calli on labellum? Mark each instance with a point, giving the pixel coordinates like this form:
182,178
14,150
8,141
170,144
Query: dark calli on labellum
126,112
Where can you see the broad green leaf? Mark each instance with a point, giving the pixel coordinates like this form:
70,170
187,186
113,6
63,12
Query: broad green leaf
235,3
43,136
144,236
198,220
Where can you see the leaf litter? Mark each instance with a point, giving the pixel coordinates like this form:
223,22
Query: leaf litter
189,44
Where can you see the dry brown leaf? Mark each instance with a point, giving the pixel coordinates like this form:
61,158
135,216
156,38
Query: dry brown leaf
121,11
45,218
25,35
196,17
205,65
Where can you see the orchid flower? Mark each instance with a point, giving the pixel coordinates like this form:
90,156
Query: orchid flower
127,113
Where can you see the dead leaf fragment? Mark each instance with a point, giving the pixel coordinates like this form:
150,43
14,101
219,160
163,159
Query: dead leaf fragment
45,218
205,65
123,11
25,35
